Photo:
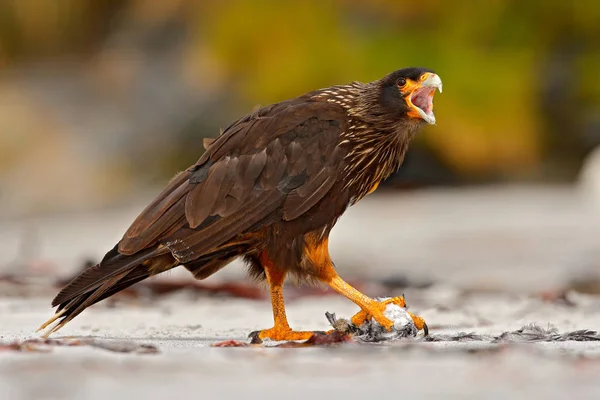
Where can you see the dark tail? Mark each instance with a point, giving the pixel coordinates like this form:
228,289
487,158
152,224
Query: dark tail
114,273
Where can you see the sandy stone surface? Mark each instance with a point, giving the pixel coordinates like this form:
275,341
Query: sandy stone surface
494,258
186,365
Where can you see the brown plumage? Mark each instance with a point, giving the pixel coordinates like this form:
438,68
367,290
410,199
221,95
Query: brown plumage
269,189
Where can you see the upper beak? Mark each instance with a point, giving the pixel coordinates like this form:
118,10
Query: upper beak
421,98
430,79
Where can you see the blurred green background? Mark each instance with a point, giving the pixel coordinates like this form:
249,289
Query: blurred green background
104,100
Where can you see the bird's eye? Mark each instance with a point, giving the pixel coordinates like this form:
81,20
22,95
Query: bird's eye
401,82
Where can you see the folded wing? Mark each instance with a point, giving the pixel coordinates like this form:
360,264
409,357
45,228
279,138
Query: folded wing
274,164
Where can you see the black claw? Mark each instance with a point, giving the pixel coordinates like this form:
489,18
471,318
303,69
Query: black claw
425,329
255,338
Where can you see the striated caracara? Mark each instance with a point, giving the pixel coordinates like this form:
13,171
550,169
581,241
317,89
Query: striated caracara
269,189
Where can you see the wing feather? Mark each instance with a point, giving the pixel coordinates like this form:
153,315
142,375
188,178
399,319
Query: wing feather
275,164
202,198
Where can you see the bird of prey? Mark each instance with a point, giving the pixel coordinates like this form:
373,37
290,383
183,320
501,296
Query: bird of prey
269,189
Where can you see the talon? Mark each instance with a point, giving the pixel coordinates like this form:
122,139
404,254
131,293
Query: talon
425,329
255,337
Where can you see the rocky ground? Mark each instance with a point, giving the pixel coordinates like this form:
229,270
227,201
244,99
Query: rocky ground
486,261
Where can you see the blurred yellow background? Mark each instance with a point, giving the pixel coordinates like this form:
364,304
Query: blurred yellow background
102,100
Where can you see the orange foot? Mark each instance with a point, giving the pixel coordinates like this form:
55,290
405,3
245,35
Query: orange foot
279,334
376,312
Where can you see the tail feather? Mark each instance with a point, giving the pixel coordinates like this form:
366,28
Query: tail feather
138,274
117,271
77,305
112,264
114,273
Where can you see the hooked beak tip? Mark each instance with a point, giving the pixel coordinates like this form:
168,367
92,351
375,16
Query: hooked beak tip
432,80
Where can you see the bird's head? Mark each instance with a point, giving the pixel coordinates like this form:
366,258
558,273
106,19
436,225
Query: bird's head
407,94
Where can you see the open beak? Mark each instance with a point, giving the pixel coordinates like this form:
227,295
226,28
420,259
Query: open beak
421,97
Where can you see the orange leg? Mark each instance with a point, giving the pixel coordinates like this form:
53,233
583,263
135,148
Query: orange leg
281,329
318,253
369,307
